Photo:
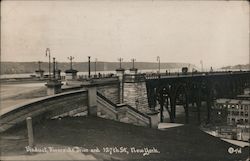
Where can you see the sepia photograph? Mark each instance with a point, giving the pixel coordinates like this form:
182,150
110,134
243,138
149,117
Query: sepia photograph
125,80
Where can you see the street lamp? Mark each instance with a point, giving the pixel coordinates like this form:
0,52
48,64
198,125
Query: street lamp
71,64
89,65
39,65
48,54
201,62
159,64
120,60
54,68
95,65
133,63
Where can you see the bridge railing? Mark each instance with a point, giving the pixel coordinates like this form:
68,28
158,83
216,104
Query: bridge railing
106,99
130,78
143,117
180,74
96,76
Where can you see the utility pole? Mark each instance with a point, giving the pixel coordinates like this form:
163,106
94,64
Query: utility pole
71,64
48,54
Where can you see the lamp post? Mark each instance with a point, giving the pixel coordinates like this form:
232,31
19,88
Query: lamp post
48,54
201,62
89,65
120,62
159,64
133,63
95,65
39,65
71,64
249,62
54,68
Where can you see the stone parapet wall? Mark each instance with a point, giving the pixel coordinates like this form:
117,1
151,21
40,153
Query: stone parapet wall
45,107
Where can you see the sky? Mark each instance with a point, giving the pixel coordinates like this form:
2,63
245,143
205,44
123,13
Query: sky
216,32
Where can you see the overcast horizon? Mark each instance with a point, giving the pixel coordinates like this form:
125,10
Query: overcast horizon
216,32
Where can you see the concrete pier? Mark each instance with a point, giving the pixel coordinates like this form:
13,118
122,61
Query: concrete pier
92,97
54,87
58,74
71,75
39,73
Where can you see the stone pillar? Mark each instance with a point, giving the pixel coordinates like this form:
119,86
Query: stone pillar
136,94
71,75
92,97
133,70
39,73
58,74
120,74
53,87
154,119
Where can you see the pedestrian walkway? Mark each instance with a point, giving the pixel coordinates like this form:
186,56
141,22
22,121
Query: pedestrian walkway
163,126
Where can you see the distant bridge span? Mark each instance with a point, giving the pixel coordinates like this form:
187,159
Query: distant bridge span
169,90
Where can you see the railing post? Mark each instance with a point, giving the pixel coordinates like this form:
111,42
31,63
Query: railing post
30,131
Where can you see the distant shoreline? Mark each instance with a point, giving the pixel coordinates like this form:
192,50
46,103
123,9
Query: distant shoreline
30,67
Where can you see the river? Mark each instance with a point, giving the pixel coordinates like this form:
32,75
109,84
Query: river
26,75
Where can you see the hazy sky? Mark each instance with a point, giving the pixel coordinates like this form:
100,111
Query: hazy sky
216,32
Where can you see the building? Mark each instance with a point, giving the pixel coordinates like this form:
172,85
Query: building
237,112
247,91
245,95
